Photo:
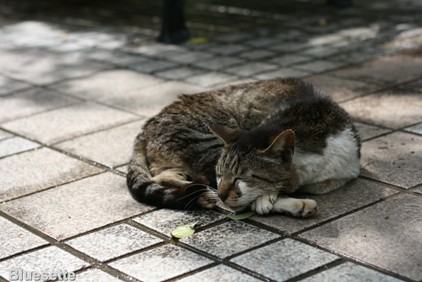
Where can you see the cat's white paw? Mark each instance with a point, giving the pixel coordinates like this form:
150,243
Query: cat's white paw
264,204
296,207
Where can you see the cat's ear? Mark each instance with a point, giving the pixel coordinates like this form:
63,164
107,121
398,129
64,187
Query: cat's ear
226,134
281,142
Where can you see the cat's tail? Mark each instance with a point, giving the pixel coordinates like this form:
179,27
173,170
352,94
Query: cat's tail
168,195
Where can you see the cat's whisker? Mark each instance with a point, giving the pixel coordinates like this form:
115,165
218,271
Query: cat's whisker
193,193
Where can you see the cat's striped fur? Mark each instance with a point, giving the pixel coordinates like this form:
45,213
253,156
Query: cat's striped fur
257,140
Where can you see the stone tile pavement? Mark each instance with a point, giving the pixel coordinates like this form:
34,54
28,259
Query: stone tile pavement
74,93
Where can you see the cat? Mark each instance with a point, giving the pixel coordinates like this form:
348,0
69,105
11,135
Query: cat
256,143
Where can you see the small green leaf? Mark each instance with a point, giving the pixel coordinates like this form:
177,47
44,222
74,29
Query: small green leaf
184,231
241,216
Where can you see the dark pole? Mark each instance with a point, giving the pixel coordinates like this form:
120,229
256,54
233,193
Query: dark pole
173,28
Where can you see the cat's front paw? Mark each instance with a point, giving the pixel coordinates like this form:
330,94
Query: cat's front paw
264,204
207,199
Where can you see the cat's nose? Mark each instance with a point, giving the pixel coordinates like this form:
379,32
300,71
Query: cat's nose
223,190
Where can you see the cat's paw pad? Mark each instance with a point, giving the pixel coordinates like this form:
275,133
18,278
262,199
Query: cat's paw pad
264,204
207,199
308,208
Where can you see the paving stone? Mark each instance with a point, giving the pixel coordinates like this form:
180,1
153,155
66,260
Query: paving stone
284,72
65,123
228,49
179,73
288,258
5,135
318,66
261,42
8,86
112,242
256,54
14,239
393,109
19,176
353,195
321,52
418,189
288,60
233,237
393,69
77,207
210,78
95,275
219,273
165,220
107,84
341,89
251,68
217,63
394,158
415,128
416,85
160,263
189,57
349,272
385,235
16,145
152,66
234,37
369,131
151,100
122,59
287,47
31,102
112,147
44,260
44,68
123,168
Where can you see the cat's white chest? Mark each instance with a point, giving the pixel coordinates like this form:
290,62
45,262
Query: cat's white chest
338,161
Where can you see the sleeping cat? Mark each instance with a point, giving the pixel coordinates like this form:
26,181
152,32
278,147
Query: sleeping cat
255,142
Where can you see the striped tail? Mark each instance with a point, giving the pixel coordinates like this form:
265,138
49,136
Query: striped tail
144,190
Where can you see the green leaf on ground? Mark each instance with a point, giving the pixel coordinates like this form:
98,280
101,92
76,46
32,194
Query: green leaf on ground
184,231
241,216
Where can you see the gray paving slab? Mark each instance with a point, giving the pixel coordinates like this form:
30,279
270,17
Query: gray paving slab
166,220
95,275
394,158
341,89
151,100
252,68
228,49
346,199
386,70
19,176
233,237
210,79
152,66
350,272
113,242
42,68
5,134
219,273
35,100
179,73
15,239
318,66
256,54
70,122
284,259
16,145
415,128
109,147
386,235
217,63
8,86
46,260
106,84
160,263
77,207
387,108
369,131
288,60
283,72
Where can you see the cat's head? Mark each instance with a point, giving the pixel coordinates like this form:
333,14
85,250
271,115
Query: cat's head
253,163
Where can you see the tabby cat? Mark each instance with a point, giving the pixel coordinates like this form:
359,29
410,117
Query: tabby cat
256,143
